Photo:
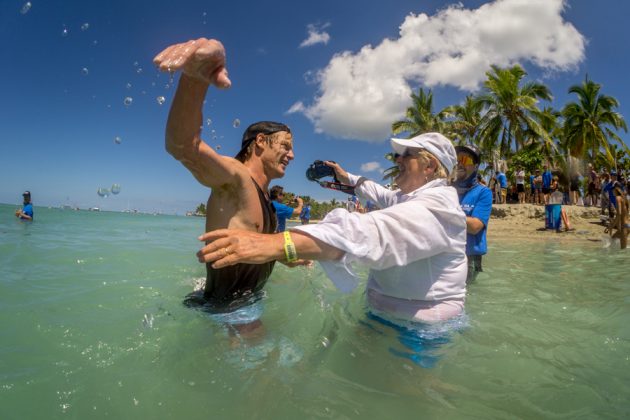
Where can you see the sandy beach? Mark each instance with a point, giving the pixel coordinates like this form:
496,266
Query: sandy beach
527,222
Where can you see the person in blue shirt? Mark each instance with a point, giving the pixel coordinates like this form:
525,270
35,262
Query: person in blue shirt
610,188
476,202
283,212
502,180
546,184
26,213
305,214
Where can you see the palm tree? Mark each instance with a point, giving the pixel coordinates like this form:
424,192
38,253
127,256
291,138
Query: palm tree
464,121
419,117
512,109
591,123
549,120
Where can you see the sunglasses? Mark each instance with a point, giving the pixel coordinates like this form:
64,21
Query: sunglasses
407,153
465,160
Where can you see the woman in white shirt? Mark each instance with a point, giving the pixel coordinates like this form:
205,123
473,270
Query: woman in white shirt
415,246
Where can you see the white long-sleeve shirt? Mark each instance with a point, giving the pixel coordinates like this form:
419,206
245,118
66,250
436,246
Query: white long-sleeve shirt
415,246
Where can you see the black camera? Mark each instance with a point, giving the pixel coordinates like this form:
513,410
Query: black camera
318,170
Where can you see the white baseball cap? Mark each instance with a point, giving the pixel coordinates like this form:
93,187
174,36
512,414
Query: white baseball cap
435,143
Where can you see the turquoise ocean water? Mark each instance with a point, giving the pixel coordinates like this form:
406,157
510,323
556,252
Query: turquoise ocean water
92,326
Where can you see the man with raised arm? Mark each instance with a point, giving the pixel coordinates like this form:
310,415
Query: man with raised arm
239,184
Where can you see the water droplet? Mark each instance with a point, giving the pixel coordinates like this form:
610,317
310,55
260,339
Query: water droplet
209,122
152,83
161,100
128,101
85,26
117,140
236,123
136,64
144,92
217,147
26,8
85,71
139,70
64,32
128,85
115,188
166,86
102,192
94,42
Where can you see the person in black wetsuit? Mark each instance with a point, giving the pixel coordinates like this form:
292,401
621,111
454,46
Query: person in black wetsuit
239,197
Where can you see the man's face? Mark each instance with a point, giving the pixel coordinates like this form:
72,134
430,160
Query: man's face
277,154
465,166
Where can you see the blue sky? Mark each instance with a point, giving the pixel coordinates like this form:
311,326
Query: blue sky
337,72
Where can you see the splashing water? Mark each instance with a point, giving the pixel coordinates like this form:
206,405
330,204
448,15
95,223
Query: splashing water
117,140
128,85
161,100
85,71
64,32
115,188
139,70
27,6
236,123
209,122
85,26
128,101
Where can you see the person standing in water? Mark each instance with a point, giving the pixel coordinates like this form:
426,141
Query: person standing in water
284,212
239,198
476,202
26,213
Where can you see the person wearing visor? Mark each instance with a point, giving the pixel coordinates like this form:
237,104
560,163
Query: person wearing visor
414,246
26,213
239,197
476,202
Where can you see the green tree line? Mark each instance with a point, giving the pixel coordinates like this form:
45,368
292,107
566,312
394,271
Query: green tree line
512,120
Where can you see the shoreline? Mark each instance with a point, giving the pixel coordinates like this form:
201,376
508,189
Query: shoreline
527,222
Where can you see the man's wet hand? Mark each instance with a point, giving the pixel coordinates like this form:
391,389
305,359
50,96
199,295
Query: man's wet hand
202,59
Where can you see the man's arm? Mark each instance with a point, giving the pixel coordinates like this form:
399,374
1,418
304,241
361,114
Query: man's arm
474,225
298,209
202,63
229,246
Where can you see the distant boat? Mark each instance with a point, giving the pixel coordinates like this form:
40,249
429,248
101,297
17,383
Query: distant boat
94,209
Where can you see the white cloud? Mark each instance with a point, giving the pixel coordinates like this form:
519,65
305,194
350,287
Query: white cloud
360,94
316,35
296,107
371,167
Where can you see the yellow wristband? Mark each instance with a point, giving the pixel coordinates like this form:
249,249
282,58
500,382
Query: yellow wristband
289,248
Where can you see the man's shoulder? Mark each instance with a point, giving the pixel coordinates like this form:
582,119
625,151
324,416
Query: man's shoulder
478,190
